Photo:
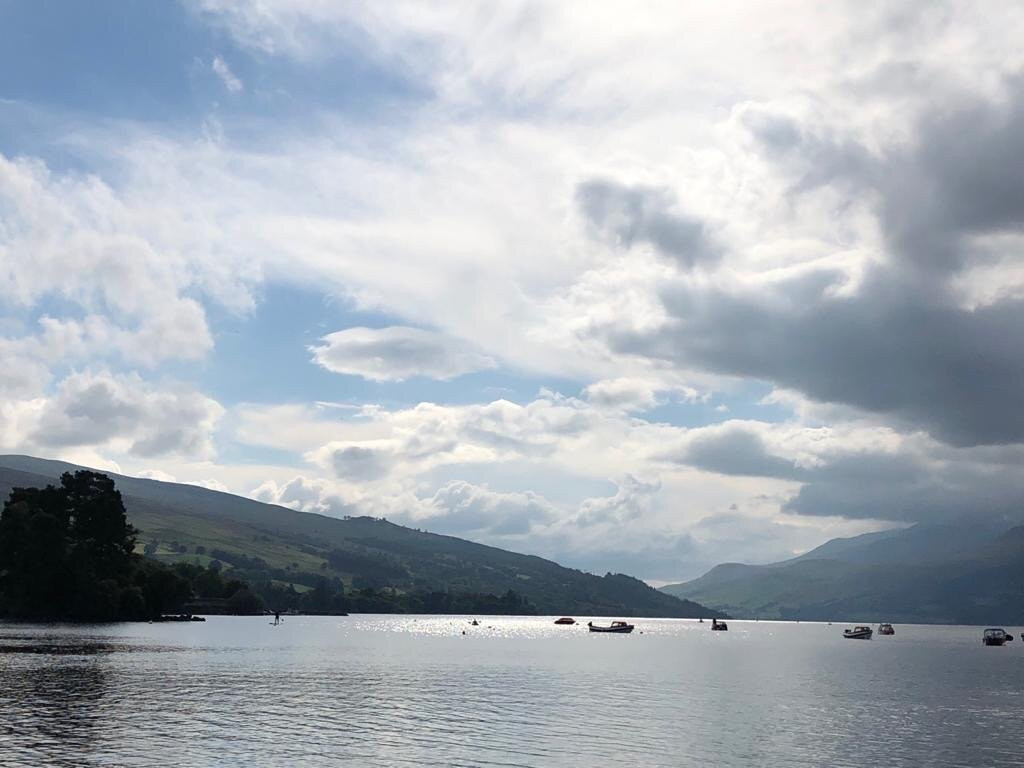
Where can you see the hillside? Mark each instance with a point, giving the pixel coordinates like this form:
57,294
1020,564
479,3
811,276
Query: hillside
927,574
263,541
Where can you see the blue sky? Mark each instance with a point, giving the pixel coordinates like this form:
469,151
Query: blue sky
585,285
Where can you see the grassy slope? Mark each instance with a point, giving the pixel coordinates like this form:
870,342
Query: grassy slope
301,544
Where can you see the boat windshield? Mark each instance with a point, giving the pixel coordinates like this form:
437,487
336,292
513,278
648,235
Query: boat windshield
994,632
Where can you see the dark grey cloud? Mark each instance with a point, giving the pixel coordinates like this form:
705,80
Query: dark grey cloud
959,176
357,463
887,350
923,482
905,488
901,345
814,157
737,451
629,215
964,176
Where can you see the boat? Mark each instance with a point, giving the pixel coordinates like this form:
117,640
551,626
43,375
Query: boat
475,623
178,617
886,629
565,620
616,626
996,636
858,633
719,626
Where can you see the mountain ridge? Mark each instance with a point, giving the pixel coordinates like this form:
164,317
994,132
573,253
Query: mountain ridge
181,522
947,573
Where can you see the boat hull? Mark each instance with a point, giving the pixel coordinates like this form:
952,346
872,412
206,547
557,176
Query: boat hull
996,637
857,635
614,630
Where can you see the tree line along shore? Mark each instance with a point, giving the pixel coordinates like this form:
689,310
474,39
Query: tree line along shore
67,553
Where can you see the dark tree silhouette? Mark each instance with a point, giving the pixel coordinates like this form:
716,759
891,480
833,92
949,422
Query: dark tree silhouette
35,577
66,552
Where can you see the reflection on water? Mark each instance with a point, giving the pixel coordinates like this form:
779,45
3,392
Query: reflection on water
377,690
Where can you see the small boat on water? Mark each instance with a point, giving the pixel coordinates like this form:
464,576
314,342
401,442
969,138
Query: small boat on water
474,623
858,633
886,629
178,617
996,636
616,626
565,620
719,626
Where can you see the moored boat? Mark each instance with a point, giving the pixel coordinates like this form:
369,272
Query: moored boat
616,626
719,626
886,629
565,620
996,636
858,633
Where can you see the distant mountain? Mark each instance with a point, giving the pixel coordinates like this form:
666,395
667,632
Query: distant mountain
264,541
926,573
917,544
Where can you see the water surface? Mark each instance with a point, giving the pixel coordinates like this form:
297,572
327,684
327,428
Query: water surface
415,691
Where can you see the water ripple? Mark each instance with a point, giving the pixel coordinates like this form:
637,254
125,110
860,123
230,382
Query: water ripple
415,691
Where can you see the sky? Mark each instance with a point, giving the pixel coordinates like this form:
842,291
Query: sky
639,287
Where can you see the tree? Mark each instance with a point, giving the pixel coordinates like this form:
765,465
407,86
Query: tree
65,551
244,602
35,579
165,591
102,540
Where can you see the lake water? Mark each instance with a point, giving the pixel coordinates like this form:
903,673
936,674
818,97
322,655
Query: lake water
411,691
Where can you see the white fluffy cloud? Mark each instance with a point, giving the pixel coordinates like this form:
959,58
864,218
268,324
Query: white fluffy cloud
397,353
119,412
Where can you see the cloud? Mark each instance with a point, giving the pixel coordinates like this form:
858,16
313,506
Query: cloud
96,409
864,473
358,463
913,488
734,450
306,494
465,509
633,394
631,215
631,499
398,353
584,202
896,339
156,474
70,241
227,77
